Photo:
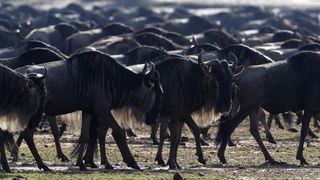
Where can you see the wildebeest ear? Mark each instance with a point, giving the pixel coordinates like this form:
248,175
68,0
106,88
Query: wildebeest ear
148,68
30,84
233,60
200,56
237,71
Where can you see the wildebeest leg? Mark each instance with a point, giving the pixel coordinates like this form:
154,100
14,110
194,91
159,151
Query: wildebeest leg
262,118
310,132
254,130
19,141
62,129
287,116
163,136
196,133
83,139
102,142
119,136
4,161
278,122
205,132
175,127
130,133
227,129
270,118
304,131
92,144
13,148
28,137
153,136
56,135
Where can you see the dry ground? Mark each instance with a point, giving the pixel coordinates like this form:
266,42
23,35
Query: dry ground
244,159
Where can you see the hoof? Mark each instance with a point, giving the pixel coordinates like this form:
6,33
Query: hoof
223,160
202,161
173,165
83,167
203,143
108,166
273,163
45,168
271,140
155,142
133,165
161,162
231,143
184,139
6,168
63,158
91,165
294,130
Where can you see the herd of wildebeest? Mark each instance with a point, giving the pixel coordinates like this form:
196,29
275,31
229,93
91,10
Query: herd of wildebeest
122,67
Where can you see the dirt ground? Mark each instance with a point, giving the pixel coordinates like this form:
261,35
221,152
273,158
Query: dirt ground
244,159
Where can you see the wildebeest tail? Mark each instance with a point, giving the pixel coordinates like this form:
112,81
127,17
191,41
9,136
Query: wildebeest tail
92,139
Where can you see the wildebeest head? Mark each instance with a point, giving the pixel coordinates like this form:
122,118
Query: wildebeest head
219,70
37,76
152,90
22,98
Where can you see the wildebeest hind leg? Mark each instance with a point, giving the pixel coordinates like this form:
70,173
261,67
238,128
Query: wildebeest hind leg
153,135
119,136
196,133
102,142
262,118
28,137
4,161
304,131
175,127
254,130
92,144
163,136
226,132
56,135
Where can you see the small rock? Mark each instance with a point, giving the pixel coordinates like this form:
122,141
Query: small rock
177,176
201,174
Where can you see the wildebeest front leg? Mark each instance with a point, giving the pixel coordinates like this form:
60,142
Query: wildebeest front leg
119,136
102,142
163,136
56,135
304,131
254,130
227,129
28,137
153,135
175,127
196,133
4,161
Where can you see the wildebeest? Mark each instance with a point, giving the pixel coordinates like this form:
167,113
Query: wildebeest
195,92
22,99
95,83
288,85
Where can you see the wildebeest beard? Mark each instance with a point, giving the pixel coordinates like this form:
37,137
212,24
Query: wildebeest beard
124,91
134,114
17,102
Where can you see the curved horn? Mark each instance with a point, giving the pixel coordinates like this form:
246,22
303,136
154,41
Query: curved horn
232,58
37,76
200,56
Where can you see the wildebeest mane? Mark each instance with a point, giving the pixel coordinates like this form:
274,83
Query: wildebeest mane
95,72
247,56
306,65
11,88
187,84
